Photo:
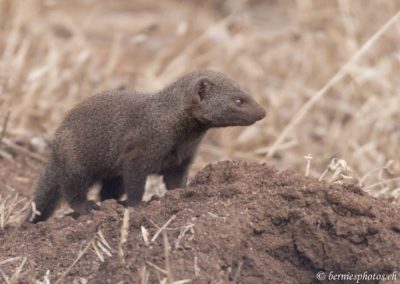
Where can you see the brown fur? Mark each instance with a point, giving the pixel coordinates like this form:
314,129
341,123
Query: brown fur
120,137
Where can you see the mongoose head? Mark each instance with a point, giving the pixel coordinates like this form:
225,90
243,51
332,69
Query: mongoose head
219,101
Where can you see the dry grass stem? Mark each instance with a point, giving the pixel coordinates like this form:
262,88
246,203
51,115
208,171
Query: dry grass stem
145,235
182,233
156,267
16,276
23,150
168,269
381,183
4,276
196,266
339,171
144,275
4,127
79,256
124,234
12,209
308,166
154,238
103,240
238,272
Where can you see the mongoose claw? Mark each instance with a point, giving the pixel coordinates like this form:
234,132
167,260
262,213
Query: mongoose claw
92,205
74,215
84,208
129,202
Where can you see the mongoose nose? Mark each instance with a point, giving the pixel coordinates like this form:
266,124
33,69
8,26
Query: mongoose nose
263,113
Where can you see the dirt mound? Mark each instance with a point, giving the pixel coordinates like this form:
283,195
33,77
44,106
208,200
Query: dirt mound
236,221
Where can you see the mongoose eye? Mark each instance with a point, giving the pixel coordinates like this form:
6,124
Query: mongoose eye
239,102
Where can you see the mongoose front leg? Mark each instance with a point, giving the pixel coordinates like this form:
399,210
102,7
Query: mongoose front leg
175,177
75,190
112,188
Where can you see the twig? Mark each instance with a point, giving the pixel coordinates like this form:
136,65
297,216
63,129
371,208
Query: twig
238,271
156,267
145,235
336,78
182,233
97,251
154,224
103,240
4,276
17,272
144,275
4,127
196,266
104,248
163,228
80,254
10,260
381,182
170,277
8,208
308,166
124,234
23,150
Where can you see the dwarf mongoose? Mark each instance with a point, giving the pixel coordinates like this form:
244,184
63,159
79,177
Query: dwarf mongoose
120,137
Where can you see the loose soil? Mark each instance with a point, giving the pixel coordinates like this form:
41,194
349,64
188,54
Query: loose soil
235,222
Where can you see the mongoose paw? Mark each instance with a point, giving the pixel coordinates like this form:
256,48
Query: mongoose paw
27,223
84,208
129,202
74,215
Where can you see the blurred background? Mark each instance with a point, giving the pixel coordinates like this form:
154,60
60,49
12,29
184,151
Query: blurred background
54,53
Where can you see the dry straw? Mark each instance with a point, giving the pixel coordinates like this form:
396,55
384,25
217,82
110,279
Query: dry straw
342,72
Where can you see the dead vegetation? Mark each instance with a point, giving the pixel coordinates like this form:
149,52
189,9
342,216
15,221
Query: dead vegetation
53,54
12,209
326,71
102,249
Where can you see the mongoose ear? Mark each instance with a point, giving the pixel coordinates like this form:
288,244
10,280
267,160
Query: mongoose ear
202,87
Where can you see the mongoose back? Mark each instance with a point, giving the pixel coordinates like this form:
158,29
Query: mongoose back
120,137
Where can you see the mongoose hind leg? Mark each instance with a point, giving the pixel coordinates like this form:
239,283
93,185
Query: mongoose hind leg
112,188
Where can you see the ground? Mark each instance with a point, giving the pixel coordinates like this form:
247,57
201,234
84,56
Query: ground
236,222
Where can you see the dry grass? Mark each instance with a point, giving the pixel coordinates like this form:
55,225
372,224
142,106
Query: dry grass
100,247
166,272
124,234
12,209
53,54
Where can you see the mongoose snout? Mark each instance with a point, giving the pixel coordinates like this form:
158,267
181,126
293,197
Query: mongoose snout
262,114
119,137
253,112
